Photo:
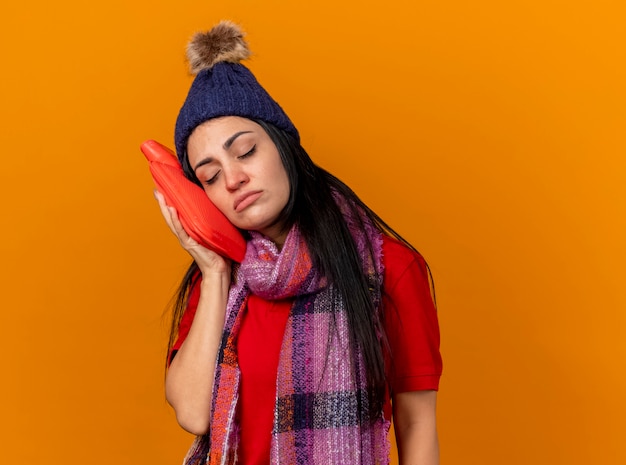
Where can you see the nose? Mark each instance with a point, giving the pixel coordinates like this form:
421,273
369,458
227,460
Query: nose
234,178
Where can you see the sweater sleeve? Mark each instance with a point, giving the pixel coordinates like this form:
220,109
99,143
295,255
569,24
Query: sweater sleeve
187,319
410,317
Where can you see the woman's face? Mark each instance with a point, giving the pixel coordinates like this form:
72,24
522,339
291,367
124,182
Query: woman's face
242,173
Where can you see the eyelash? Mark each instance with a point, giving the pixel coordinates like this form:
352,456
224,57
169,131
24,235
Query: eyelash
250,152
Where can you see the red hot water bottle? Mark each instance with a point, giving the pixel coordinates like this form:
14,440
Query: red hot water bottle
201,219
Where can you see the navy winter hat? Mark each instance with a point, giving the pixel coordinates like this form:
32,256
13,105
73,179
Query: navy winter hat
223,86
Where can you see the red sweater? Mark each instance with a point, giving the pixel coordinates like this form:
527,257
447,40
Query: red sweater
410,323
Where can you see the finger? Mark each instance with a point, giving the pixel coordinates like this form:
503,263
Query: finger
171,218
165,210
179,230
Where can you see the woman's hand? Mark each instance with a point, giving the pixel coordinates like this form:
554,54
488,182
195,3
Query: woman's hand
189,379
207,260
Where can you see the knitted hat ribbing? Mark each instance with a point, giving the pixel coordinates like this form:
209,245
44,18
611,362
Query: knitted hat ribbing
223,86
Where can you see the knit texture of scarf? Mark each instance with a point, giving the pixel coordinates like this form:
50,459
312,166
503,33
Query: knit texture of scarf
321,408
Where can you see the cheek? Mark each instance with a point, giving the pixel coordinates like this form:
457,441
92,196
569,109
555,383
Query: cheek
279,174
219,201
286,187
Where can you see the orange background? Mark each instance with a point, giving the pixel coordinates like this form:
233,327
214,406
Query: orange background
491,134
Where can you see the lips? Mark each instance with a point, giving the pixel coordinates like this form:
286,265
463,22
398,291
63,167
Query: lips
246,199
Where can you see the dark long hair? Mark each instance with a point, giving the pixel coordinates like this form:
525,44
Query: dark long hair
312,207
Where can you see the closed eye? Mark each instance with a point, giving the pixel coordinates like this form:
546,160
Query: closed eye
248,153
212,179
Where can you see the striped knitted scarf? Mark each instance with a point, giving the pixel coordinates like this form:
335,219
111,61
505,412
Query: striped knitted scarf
320,412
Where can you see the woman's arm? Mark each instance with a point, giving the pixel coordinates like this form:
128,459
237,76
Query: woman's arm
189,379
415,426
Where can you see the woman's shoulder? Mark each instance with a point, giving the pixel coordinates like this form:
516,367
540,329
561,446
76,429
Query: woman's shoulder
399,259
398,254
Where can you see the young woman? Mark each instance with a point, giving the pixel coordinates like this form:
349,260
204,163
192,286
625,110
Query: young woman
305,351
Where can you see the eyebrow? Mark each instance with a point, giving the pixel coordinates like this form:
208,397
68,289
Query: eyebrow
226,146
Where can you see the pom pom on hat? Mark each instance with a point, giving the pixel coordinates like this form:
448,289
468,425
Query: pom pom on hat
223,86
223,43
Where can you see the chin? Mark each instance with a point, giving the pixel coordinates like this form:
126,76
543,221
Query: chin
252,225
255,221
268,228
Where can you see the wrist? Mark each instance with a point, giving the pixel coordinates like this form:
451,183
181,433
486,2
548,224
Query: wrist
215,268
215,279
